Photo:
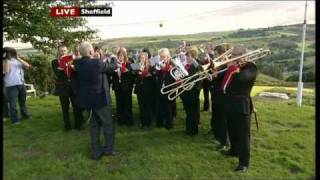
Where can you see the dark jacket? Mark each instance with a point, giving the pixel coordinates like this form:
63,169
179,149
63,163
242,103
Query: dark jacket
125,82
237,97
62,82
194,92
144,85
93,83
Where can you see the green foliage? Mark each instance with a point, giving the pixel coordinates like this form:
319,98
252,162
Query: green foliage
248,33
307,76
283,44
283,148
30,21
41,74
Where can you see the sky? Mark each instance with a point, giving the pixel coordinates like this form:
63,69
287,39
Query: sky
142,18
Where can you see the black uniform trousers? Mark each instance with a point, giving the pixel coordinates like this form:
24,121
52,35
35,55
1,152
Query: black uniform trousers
239,134
206,91
218,119
145,94
192,108
77,112
165,113
124,106
145,107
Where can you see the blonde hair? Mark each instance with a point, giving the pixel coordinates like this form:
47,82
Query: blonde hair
164,51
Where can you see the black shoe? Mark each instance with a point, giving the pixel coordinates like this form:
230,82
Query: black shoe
223,148
79,128
113,153
241,168
67,128
25,117
96,157
229,153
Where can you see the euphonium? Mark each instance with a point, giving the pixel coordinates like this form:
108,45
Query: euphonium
178,71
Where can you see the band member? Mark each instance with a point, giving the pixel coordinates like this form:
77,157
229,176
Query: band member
153,86
94,95
206,83
218,116
78,112
112,58
63,87
98,53
163,77
123,84
190,98
237,85
144,90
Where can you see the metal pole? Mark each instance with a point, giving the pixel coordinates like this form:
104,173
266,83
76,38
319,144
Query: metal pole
300,83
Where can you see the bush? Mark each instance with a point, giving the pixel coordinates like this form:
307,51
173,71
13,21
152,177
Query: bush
41,74
283,44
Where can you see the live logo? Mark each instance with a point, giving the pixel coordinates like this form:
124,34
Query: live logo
64,11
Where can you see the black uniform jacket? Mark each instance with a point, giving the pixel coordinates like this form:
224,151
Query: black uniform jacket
237,97
193,92
62,82
126,80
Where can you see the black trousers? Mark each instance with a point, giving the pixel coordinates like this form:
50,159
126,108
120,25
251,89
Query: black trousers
206,91
102,119
77,111
165,112
124,106
239,134
192,108
219,125
145,107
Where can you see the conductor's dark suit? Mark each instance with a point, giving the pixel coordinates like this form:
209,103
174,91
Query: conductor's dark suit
94,95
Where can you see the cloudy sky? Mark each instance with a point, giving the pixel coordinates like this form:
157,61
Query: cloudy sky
142,18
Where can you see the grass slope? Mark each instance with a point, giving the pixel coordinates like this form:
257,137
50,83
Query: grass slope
284,147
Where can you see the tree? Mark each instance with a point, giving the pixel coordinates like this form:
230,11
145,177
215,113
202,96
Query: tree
30,21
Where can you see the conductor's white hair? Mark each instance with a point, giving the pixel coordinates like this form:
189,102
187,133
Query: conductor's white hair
85,48
164,51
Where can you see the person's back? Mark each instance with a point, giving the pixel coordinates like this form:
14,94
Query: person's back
94,96
91,91
14,83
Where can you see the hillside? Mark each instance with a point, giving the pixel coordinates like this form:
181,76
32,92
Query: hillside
283,41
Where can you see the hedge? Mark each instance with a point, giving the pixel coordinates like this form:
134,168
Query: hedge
41,74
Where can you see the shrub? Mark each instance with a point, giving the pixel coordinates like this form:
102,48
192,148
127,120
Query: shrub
41,74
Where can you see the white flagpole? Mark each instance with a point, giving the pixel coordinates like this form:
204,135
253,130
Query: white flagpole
300,83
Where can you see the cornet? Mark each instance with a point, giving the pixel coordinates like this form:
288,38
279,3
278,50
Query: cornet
175,89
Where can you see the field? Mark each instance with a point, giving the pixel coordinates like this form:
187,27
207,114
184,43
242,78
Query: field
283,148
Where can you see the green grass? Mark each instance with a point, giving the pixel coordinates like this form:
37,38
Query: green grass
283,148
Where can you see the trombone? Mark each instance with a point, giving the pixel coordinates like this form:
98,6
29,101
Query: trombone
175,89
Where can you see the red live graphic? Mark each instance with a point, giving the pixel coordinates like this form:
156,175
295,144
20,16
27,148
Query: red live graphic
64,11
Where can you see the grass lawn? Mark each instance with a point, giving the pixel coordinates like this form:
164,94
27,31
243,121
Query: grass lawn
283,148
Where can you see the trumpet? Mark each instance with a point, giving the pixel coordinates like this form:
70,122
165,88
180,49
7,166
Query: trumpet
175,89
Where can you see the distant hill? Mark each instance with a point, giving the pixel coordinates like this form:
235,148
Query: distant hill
283,41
